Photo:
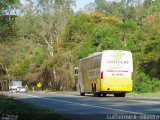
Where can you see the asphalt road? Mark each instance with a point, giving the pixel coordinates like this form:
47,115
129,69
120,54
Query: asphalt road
77,107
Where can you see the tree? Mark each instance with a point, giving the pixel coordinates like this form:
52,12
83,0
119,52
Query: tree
54,15
89,8
151,45
7,30
90,33
101,6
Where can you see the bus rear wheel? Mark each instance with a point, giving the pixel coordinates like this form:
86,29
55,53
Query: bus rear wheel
123,94
82,94
94,90
104,94
99,94
80,91
120,95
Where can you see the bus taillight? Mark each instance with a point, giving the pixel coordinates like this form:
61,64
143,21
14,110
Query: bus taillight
102,75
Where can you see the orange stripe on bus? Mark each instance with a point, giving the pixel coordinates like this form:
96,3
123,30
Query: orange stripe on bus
117,71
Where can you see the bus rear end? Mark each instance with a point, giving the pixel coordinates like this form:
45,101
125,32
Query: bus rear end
116,72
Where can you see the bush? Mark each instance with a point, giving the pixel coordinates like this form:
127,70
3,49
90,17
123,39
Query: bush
143,83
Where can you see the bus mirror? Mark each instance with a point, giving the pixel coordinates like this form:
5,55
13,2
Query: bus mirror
76,69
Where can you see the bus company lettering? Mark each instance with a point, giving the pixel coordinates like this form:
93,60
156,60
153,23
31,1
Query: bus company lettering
117,62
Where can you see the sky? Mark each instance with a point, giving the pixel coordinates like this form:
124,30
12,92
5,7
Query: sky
79,4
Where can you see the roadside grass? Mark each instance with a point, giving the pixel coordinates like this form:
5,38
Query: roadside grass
9,106
154,94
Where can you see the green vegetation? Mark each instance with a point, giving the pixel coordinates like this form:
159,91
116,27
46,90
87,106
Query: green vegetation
25,111
148,94
45,43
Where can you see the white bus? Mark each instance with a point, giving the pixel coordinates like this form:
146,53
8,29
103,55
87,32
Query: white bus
107,72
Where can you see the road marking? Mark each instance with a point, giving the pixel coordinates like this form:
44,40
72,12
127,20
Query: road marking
141,101
153,98
86,105
138,101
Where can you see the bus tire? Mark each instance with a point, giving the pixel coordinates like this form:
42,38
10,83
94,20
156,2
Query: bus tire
94,90
104,94
120,95
116,95
81,93
99,94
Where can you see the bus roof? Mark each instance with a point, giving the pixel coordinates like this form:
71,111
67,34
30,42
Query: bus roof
99,53
91,55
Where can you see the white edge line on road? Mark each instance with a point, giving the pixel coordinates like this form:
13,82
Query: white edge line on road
153,98
148,102
138,101
87,105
